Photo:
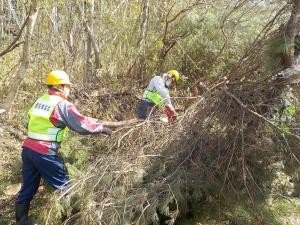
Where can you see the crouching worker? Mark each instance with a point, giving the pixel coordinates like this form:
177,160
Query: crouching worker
49,119
157,95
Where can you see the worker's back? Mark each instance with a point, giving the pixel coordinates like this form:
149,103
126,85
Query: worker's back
154,83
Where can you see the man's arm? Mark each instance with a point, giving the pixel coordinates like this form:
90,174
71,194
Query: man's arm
164,93
66,114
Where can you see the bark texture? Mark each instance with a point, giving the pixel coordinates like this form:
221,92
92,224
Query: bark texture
8,101
290,31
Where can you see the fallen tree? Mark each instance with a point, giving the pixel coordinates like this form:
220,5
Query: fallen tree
222,153
220,159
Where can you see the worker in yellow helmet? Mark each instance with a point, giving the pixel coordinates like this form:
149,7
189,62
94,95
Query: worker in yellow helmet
50,117
157,95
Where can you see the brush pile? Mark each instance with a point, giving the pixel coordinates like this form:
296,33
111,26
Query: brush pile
220,158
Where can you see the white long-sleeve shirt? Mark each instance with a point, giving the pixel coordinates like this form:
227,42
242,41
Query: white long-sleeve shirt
157,84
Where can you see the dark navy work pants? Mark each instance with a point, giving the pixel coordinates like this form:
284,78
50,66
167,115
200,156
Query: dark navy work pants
144,108
35,166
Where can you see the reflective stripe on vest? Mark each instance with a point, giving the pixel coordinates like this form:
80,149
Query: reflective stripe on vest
40,127
154,97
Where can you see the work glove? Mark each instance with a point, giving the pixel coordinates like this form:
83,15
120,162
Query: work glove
170,114
107,131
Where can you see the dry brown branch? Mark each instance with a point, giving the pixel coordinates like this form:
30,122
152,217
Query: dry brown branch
8,101
258,115
119,123
238,5
181,12
199,88
170,41
263,33
14,43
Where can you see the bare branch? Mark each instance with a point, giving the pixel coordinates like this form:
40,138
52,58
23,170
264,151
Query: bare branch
170,42
7,103
13,45
259,115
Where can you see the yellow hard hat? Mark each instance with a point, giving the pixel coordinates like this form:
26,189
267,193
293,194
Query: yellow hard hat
175,74
58,77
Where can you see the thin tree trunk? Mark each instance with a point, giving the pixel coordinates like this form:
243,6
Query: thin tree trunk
88,62
1,22
70,27
95,46
101,9
136,67
100,26
290,31
144,24
53,18
90,32
13,13
7,103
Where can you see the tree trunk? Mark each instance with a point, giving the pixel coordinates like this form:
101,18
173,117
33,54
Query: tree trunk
144,24
7,103
91,35
13,13
53,18
290,31
136,67
95,46
1,22
100,25
70,27
88,61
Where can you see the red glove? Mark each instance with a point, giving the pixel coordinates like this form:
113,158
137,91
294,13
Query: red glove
170,113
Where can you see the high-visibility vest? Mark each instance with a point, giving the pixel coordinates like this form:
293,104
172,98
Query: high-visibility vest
40,127
154,97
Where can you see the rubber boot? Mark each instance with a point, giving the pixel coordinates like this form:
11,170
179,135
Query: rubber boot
22,215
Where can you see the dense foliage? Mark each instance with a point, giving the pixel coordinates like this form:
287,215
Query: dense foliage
233,156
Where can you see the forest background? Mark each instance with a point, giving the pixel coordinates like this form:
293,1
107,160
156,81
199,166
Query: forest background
232,157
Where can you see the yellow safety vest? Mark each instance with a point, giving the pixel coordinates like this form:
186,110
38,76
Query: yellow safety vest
154,97
40,127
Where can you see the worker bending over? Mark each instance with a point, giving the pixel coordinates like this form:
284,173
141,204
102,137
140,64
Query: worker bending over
157,95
